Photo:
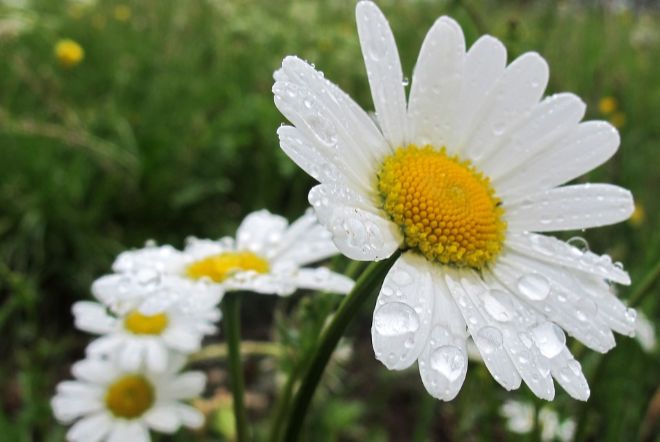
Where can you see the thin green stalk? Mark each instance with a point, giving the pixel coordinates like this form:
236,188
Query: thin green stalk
283,401
367,284
231,306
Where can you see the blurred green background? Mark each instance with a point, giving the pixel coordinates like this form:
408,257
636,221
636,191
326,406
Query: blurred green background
166,128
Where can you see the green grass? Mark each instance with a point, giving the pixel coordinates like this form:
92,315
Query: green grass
167,129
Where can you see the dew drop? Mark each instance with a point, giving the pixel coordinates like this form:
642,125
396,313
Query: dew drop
534,286
448,361
585,309
549,338
147,278
580,243
401,277
489,339
395,319
495,303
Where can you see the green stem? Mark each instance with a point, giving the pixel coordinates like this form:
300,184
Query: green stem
231,306
370,279
283,401
645,285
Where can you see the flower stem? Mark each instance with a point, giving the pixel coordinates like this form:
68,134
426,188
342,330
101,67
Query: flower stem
231,306
366,285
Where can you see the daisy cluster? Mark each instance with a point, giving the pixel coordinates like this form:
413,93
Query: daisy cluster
156,308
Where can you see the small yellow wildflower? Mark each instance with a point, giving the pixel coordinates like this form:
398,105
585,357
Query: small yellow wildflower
123,13
69,53
618,119
607,105
638,216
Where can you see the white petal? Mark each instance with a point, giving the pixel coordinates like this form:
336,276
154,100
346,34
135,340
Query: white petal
443,362
92,317
361,235
569,208
156,355
163,418
94,370
587,146
324,280
182,338
568,372
552,250
67,407
105,345
436,84
161,258
403,313
306,241
259,230
190,417
200,248
484,65
185,386
487,335
381,59
131,355
124,431
275,283
549,121
557,296
321,122
514,322
90,429
513,96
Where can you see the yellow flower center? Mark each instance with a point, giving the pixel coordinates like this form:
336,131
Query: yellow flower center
224,265
69,53
447,210
140,324
129,396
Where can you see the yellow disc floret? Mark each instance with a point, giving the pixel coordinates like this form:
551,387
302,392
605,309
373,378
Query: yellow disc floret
129,396
69,53
224,265
447,210
140,324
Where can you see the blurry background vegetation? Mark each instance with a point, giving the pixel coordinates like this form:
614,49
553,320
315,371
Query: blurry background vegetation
166,128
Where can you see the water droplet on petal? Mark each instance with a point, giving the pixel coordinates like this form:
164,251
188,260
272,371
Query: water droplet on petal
534,286
580,243
448,361
395,319
549,338
401,277
585,309
488,339
498,306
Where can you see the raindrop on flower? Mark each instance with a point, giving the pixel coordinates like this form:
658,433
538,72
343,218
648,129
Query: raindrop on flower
549,339
534,286
449,361
395,319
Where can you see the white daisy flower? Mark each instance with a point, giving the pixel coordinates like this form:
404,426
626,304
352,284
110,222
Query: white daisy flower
114,405
171,323
267,256
520,418
459,175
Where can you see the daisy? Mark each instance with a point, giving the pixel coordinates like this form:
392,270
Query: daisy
463,176
267,256
111,404
165,321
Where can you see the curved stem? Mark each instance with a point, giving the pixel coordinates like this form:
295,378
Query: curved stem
231,307
369,280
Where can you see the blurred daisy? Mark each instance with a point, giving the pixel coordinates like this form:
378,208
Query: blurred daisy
69,53
111,404
459,175
267,256
520,419
171,323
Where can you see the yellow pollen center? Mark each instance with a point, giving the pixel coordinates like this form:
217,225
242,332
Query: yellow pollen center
224,265
140,324
129,396
446,209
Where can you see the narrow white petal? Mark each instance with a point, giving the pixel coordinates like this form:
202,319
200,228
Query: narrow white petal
163,418
485,333
90,429
67,408
190,417
443,362
105,345
381,59
94,370
92,317
361,235
324,280
182,338
556,295
403,313
436,84
131,355
274,283
587,146
513,96
187,385
574,207
484,65
260,230
514,322
568,372
553,250
161,258
302,95
156,355
551,120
